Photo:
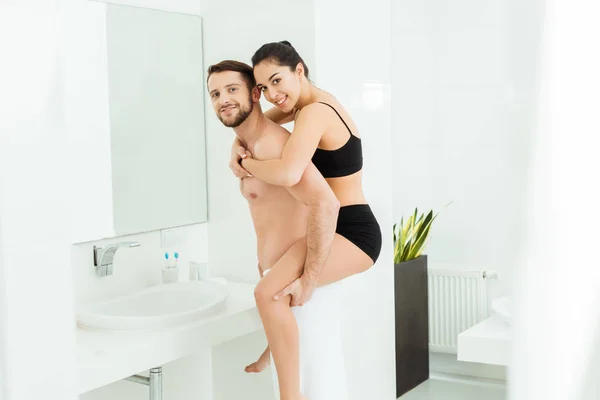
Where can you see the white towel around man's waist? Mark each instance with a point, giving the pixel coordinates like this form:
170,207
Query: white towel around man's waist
322,366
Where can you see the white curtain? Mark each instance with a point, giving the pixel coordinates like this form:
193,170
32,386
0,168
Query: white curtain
558,299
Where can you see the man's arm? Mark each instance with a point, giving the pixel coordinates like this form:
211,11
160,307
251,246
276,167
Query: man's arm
314,192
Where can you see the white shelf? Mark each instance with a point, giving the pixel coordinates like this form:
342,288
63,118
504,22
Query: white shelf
488,342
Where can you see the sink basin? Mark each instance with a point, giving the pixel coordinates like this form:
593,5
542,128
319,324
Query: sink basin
502,308
158,307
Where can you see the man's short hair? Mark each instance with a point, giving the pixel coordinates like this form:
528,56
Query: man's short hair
230,65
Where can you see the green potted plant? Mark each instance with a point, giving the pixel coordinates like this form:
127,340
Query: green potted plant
411,301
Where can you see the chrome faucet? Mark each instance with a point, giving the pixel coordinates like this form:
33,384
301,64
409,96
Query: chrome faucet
103,257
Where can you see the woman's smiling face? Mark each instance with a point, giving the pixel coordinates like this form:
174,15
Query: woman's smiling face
279,84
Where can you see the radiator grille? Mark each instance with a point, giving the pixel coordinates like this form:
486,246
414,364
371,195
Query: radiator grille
458,299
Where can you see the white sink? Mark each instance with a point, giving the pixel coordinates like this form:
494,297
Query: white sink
503,308
157,307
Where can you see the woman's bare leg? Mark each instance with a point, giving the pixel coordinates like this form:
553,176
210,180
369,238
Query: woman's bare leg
344,260
278,320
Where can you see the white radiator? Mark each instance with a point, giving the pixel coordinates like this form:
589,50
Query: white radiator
458,299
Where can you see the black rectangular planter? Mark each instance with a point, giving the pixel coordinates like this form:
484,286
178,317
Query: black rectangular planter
412,324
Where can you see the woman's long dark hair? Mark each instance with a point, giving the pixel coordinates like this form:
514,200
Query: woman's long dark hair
283,53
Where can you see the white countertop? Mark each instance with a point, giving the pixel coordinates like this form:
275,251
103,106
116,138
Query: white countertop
107,357
488,342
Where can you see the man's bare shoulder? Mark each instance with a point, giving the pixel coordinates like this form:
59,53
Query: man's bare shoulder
271,143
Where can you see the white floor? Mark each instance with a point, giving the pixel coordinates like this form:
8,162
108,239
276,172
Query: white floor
442,389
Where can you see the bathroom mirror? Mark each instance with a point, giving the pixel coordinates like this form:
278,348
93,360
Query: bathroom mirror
155,90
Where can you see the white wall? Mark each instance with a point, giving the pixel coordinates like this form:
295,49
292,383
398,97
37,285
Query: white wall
462,105
87,118
3,310
39,331
193,7
354,65
134,268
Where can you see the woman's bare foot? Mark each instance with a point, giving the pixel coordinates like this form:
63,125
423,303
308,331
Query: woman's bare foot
263,362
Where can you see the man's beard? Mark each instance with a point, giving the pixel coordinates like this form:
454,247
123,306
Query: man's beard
240,118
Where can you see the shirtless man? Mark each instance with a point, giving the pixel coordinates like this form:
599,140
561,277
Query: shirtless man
279,214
